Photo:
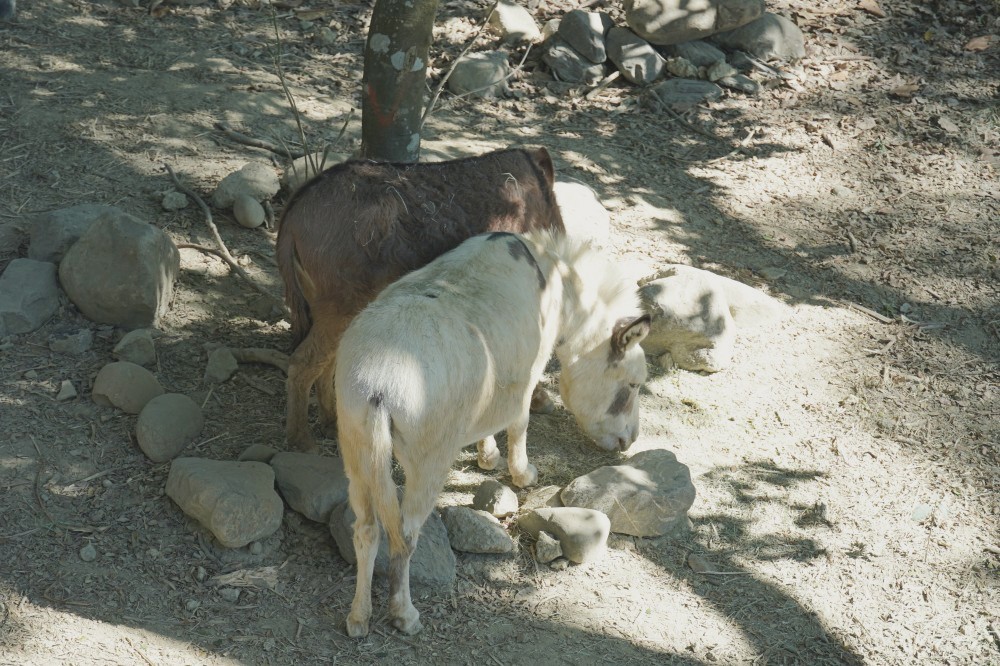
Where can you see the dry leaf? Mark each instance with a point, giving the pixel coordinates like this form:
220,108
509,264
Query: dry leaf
947,125
872,8
867,123
980,43
905,90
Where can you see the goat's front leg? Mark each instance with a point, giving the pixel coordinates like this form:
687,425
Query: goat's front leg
522,472
488,455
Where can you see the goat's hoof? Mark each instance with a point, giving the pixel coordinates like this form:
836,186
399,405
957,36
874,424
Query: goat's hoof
527,478
408,623
488,461
356,628
303,443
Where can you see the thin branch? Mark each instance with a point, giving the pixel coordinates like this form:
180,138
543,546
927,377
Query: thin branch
256,143
222,252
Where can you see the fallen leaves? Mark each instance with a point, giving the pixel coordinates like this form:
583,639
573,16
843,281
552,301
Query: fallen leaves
906,90
947,125
872,8
980,43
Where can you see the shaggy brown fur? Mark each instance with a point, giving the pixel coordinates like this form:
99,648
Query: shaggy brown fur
358,226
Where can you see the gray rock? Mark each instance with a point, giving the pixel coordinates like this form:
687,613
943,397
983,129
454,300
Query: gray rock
88,553
633,56
568,65
66,391
675,21
236,501
544,497
649,496
720,70
74,345
433,562
136,347
472,531
483,74
248,212
121,272
683,94
513,23
167,424
683,68
52,234
256,180
547,548
221,366
697,52
583,213
174,200
582,533
311,484
770,37
29,296
258,452
584,32
695,315
495,498
740,82
126,386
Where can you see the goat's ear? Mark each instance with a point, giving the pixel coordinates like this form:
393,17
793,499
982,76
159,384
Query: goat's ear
627,333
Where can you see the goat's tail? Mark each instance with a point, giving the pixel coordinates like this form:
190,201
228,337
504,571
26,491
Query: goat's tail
296,281
384,498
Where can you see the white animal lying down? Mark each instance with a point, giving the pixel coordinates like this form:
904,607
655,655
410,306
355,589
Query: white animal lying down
449,354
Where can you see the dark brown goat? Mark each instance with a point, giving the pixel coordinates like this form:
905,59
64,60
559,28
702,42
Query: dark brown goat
358,226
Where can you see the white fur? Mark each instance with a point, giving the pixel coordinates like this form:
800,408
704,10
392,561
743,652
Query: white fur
421,377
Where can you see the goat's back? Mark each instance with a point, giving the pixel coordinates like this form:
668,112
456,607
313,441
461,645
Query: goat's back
360,225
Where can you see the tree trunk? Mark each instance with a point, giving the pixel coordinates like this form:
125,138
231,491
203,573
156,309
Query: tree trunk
395,71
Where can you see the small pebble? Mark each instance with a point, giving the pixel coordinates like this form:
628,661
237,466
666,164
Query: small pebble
88,553
66,391
230,594
174,201
560,564
200,574
248,212
192,604
256,548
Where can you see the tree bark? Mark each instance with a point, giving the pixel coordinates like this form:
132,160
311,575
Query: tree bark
395,71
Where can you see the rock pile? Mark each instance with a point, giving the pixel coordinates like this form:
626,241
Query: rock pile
660,38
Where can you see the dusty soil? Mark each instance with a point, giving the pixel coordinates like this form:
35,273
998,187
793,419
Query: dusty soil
846,464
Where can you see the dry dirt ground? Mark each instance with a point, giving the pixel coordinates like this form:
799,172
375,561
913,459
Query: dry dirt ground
846,464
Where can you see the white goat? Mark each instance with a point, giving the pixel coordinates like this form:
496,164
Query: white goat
449,354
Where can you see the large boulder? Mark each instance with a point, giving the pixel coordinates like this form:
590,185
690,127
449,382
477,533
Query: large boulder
254,179
482,74
311,484
53,233
432,563
634,57
121,272
29,296
235,500
472,531
648,496
585,31
124,385
166,424
513,23
695,315
674,21
770,37
568,65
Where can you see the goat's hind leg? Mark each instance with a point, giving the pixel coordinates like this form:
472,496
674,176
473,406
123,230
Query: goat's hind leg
366,538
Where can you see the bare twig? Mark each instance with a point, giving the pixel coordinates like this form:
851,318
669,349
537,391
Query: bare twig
256,143
261,355
605,82
222,252
871,313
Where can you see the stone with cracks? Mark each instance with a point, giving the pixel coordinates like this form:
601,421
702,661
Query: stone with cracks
633,56
433,562
136,347
53,233
513,23
648,496
547,548
311,484
667,22
495,498
582,532
121,272
695,315
584,32
568,65
770,37
236,501
29,296
167,424
256,180
126,386
472,531
683,95
545,496
482,74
